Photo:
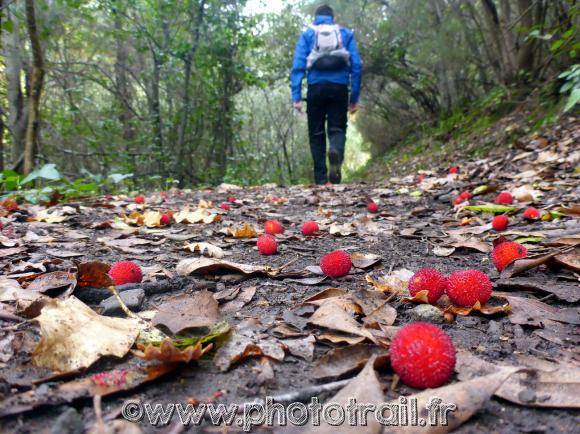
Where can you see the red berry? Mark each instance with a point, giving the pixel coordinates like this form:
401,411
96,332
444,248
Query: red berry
531,213
504,198
273,227
139,199
500,223
267,245
458,200
428,279
466,287
336,264
165,220
309,227
373,207
125,272
505,253
422,355
225,206
453,170
466,195
232,199
420,178
163,194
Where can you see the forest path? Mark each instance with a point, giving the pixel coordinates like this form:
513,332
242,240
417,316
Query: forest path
279,343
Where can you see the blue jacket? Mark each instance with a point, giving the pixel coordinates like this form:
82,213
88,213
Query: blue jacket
346,76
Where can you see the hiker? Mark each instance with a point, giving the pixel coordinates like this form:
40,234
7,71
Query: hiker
328,54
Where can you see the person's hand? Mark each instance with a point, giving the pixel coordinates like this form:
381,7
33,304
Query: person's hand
298,106
353,108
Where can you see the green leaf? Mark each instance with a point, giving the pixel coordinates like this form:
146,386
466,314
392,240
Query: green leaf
529,240
48,171
119,177
8,26
416,193
572,100
480,190
557,44
491,208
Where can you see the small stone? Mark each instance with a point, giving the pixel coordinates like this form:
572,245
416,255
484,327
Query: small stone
133,298
494,328
527,395
428,313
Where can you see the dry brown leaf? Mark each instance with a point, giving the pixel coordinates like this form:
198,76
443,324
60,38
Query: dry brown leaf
338,362
246,231
443,251
344,230
93,274
55,280
532,312
364,260
47,217
200,215
334,314
521,265
569,260
469,397
389,284
542,384
477,307
102,383
420,297
168,353
206,249
188,311
246,341
189,266
74,336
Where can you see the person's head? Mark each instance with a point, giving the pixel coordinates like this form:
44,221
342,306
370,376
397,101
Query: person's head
324,10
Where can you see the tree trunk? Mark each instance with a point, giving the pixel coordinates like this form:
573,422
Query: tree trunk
17,115
187,62
494,29
126,115
36,82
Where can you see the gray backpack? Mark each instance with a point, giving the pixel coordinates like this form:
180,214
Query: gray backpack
328,53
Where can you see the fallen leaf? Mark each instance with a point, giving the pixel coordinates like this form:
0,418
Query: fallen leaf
206,249
569,260
74,336
468,396
531,312
246,341
168,353
339,362
541,384
47,217
199,310
246,231
364,260
303,348
200,215
55,280
491,208
477,307
102,383
94,274
332,315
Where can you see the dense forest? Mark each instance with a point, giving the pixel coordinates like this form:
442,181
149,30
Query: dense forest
196,92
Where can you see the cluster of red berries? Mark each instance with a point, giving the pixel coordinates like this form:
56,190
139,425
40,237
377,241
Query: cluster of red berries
108,379
464,288
463,196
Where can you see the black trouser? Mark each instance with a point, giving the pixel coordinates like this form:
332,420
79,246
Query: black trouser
326,103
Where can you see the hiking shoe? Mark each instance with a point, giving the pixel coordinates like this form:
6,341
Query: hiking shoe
334,174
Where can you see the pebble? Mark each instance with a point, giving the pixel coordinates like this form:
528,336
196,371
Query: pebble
428,313
132,298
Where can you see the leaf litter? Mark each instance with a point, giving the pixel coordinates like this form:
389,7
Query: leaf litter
255,324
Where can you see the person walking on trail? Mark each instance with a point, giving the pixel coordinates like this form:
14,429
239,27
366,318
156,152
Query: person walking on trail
327,53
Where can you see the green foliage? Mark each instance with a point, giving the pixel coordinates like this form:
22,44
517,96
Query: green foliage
571,86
